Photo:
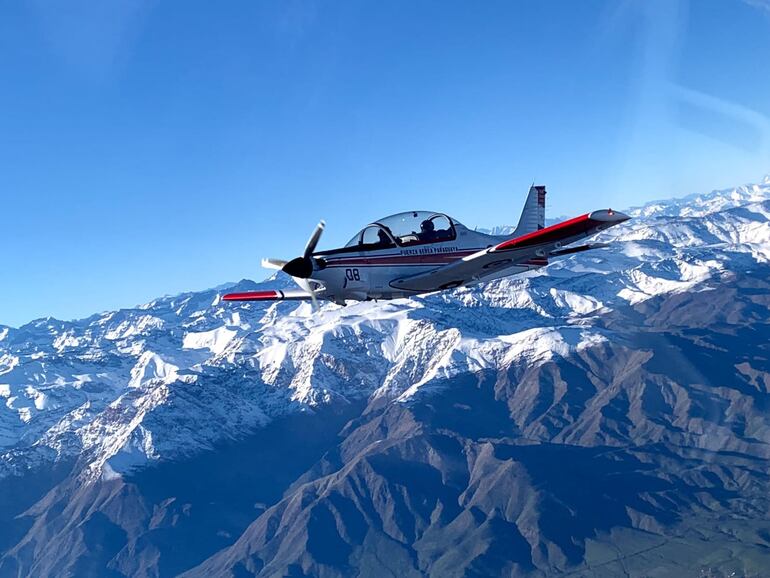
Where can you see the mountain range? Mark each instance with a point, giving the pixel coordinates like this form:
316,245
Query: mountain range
606,415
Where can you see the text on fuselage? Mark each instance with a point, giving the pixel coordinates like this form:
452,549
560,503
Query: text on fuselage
428,250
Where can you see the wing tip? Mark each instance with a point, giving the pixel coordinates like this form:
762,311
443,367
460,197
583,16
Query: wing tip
252,296
609,216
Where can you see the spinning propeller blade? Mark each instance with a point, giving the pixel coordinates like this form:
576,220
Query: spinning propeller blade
313,240
305,286
273,263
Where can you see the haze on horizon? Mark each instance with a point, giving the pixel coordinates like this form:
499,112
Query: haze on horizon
148,150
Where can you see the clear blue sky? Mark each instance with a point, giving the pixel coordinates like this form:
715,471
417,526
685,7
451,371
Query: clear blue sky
148,148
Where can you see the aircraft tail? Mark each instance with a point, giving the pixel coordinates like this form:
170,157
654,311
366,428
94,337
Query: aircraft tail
533,216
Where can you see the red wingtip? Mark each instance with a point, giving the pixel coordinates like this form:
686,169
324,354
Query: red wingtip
251,296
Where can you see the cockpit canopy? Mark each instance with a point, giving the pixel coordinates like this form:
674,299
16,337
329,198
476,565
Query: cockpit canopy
405,229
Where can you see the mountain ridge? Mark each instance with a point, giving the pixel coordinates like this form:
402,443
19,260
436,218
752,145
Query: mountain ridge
646,361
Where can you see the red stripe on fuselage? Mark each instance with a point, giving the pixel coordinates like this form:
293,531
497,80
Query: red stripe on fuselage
398,259
430,259
365,263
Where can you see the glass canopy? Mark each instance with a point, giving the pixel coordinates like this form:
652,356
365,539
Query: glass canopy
404,229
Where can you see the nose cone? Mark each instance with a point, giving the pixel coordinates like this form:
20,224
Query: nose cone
609,216
301,267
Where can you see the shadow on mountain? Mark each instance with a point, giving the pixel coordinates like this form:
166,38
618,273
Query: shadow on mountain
19,493
163,519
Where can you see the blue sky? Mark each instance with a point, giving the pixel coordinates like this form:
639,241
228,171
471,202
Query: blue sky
149,148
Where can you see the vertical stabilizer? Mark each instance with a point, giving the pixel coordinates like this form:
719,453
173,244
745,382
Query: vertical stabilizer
533,216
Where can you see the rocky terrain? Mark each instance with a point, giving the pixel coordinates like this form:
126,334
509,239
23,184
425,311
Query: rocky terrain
607,415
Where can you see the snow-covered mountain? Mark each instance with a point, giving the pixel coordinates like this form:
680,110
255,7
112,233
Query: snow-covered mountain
180,376
175,375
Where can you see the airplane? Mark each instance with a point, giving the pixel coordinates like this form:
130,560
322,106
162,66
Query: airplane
418,252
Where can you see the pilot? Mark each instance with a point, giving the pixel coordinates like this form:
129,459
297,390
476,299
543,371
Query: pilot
383,239
427,230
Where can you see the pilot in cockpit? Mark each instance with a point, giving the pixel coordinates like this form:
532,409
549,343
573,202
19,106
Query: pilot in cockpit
427,230
382,239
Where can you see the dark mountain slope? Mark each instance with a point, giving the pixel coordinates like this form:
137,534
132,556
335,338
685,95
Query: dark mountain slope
519,472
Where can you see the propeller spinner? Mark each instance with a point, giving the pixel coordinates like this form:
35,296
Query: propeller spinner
301,268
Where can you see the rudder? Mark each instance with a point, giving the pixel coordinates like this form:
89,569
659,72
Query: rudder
533,216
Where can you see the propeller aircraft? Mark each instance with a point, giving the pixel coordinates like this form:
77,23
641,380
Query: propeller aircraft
421,251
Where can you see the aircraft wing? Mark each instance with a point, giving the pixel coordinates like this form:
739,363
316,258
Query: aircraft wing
268,296
530,249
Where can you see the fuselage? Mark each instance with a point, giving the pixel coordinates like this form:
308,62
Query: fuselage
361,272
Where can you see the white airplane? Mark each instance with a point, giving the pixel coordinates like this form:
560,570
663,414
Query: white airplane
422,251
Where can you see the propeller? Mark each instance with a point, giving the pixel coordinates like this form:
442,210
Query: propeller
276,264
313,240
305,285
301,268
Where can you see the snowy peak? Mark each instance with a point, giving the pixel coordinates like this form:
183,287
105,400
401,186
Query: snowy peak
699,205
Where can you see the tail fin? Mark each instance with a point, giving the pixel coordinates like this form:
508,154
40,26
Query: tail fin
533,216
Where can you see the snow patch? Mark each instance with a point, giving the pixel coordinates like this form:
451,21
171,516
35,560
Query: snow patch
215,340
151,366
133,327
579,304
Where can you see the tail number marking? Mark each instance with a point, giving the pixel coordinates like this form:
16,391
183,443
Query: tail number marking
352,275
